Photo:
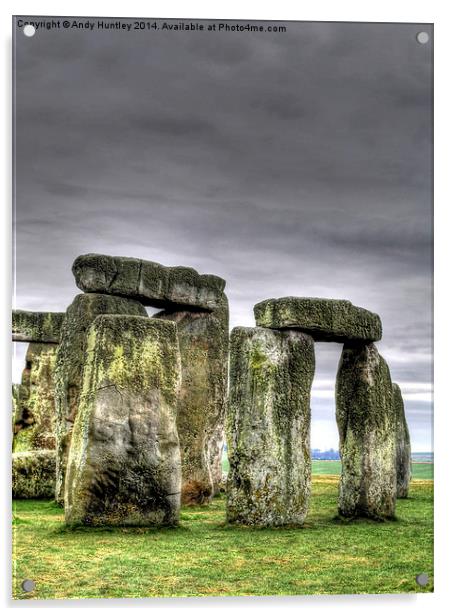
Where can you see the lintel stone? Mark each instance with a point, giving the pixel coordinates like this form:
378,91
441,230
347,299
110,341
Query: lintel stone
31,326
150,283
334,320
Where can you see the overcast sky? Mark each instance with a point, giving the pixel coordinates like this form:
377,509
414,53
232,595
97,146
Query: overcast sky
294,163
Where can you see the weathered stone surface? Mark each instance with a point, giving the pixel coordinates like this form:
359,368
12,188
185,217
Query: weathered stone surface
124,461
19,394
335,320
366,421
70,361
37,326
217,442
204,341
150,283
268,427
35,416
403,445
34,474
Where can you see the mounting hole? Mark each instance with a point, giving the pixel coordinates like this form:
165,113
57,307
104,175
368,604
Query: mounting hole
422,37
28,585
29,30
422,579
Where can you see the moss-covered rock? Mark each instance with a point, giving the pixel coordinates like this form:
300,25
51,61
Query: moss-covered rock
70,360
367,428
124,460
37,326
324,319
149,282
34,474
35,416
268,427
203,340
403,445
19,394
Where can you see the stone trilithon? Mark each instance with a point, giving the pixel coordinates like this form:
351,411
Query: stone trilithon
198,305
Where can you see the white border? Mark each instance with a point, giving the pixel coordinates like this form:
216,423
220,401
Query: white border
384,11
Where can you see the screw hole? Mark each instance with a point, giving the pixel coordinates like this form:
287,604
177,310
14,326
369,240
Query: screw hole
28,585
422,579
29,30
422,38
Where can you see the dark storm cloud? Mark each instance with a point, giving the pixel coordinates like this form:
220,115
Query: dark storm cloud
289,164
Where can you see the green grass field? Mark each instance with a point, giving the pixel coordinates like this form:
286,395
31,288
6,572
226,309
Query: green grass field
204,556
420,470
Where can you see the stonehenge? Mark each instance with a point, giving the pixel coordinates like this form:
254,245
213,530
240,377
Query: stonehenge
121,417
268,427
199,306
124,461
195,308
365,408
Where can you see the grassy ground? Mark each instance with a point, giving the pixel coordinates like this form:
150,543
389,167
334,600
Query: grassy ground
420,470
204,556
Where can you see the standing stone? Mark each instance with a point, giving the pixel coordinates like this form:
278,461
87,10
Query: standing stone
403,446
35,419
70,361
268,427
366,421
124,460
19,394
203,340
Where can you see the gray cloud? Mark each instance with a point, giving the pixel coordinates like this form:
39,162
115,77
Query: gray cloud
289,164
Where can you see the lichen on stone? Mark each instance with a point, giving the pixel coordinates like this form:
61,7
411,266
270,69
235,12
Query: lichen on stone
203,340
124,460
30,326
367,430
268,427
35,416
149,282
324,319
70,363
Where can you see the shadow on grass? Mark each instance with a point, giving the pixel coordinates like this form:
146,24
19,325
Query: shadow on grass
79,529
